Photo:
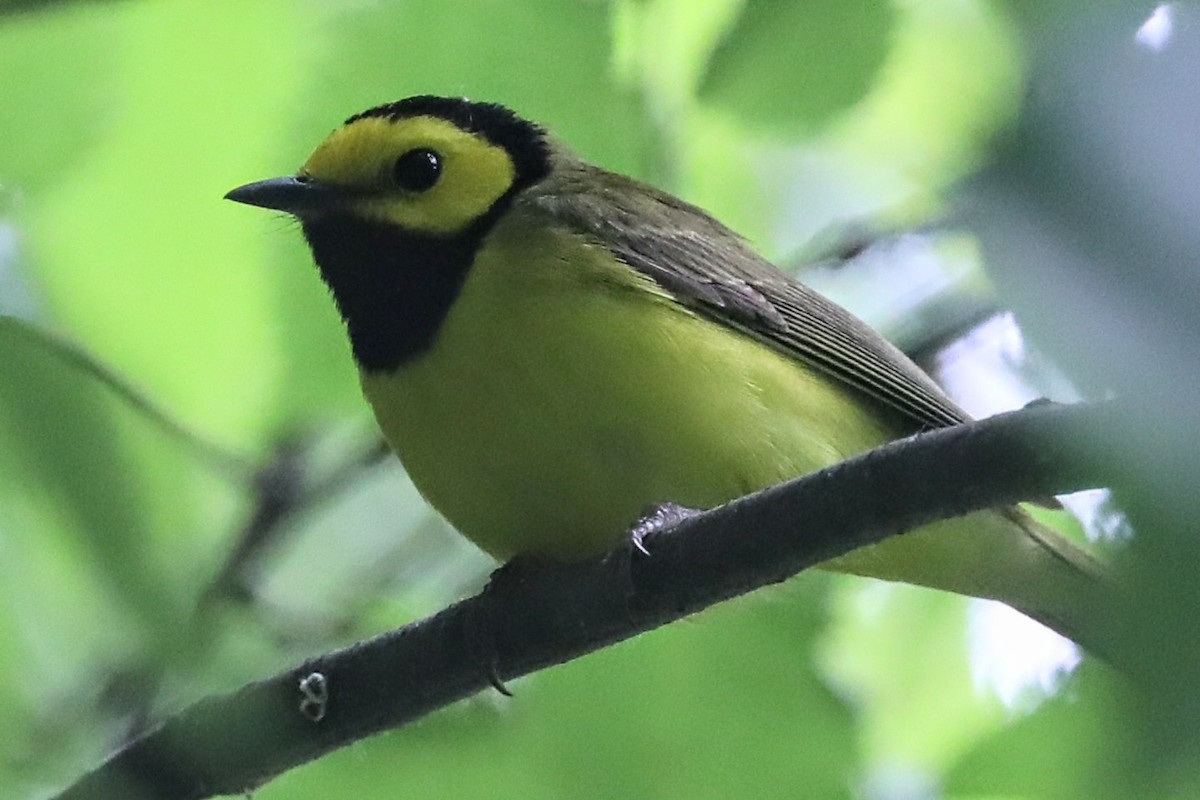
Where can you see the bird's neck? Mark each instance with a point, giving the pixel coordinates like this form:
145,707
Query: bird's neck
392,287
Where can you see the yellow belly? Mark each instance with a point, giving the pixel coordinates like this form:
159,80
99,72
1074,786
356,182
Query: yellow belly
561,400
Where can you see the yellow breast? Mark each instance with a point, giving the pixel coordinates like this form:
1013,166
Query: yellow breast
565,394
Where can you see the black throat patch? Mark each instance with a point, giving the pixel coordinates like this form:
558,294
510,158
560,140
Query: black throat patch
393,287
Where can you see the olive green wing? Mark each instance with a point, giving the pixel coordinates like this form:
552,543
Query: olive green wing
713,271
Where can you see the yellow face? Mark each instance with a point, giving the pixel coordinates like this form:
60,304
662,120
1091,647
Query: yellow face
421,173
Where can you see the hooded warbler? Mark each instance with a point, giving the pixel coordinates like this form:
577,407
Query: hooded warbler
551,348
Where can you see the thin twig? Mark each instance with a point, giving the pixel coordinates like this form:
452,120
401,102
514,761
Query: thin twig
220,459
283,490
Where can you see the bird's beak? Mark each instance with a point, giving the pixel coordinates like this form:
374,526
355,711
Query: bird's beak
299,195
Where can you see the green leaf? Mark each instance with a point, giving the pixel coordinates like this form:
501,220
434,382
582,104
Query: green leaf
137,255
1067,749
789,66
59,90
69,478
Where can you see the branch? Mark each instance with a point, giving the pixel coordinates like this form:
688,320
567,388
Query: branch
229,744
283,491
222,460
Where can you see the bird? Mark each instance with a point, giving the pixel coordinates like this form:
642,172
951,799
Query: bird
552,348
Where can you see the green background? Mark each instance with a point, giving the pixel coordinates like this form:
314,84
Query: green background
129,586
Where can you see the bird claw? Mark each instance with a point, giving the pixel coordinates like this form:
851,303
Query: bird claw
481,622
655,520
481,634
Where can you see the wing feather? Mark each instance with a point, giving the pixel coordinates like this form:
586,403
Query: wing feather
713,271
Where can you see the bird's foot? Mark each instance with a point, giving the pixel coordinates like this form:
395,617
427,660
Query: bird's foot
481,622
655,520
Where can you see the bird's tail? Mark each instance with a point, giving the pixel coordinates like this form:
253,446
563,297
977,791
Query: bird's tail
1004,555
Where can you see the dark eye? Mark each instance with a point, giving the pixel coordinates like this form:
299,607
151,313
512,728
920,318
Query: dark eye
417,170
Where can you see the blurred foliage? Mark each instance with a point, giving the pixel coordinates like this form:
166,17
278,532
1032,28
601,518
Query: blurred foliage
844,45
138,573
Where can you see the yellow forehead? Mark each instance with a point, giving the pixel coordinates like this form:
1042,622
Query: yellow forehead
475,173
